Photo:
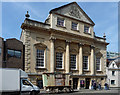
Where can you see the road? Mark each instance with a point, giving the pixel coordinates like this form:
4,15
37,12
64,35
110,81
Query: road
82,92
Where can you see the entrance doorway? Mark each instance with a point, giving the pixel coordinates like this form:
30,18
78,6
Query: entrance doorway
40,84
75,83
87,80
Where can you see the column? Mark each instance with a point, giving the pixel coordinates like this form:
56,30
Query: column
78,84
52,55
92,60
67,56
80,59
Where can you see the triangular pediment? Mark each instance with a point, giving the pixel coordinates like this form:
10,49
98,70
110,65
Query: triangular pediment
73,10
41,45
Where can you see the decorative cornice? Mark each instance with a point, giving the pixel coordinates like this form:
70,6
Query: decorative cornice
52,38
81,44
67,41
92,46
32,27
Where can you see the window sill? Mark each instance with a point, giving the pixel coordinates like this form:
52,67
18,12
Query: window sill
40,68
75,30
73,69
87,33
112,84
113,75
86,70
61,69
61,26
98,70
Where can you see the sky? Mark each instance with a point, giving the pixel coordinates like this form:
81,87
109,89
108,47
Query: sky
103,14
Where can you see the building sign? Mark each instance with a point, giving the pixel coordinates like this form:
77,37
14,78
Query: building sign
59,76
59,82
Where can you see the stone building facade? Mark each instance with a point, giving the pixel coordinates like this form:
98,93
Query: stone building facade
64,43
12,53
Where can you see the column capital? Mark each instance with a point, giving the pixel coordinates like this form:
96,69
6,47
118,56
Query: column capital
67,41
81,44
92,46
52,38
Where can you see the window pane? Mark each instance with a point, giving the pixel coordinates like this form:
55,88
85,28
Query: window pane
60,22
112,81
86,29
113,73
85,62
18,54
97,63
10,53
40,58
74,26
73,61
59,60
25,82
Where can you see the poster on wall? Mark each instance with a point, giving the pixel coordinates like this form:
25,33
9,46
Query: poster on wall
82,82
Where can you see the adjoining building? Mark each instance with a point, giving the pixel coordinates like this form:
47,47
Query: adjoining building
11,53
1,51
113,73
111,56
65,43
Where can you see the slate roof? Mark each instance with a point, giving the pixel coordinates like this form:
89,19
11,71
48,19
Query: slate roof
117,61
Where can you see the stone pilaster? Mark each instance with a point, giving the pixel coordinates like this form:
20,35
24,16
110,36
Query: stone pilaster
52,54
80,59
92,60
27,51
67,56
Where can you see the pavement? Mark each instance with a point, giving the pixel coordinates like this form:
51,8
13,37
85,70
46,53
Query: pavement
86,92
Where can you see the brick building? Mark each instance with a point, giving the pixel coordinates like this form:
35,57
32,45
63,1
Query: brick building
12,53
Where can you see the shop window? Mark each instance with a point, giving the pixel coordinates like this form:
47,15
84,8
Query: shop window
59,60
74,26
98,63
60,21
85,62
40,58
73,61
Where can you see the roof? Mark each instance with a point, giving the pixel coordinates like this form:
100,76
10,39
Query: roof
117,61
55,9
1,38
